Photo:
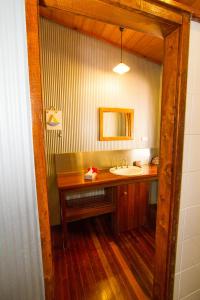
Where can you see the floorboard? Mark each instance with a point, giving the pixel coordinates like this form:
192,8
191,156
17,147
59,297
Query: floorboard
98,266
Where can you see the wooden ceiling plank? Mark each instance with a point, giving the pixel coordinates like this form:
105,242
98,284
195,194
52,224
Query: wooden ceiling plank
142,44
135,38
155,49
63,19
98,28
194,6
116,15
158,56
116,37
148,7
78,20
88,24
127,35
175,4
153,58
55,17
109,30
185,5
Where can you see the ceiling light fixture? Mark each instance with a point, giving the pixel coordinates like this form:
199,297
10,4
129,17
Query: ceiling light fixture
121,68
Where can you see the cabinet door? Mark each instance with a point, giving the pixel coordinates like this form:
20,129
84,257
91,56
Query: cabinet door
132,202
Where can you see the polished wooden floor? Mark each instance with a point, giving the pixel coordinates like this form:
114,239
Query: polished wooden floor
98,266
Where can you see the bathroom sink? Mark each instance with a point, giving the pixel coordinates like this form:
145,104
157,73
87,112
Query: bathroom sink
126,171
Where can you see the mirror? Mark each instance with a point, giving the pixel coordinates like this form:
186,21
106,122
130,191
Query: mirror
116,123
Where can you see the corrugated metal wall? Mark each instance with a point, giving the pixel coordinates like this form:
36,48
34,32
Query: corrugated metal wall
78,79
21,275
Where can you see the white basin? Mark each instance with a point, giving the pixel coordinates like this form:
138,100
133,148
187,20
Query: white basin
126,171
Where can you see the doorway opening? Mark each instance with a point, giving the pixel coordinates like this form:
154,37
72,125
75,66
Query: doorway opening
175,32
78,79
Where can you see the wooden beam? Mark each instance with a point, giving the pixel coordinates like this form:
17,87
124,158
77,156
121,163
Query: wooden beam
171,152
62,17
112,12
178,151
38,144
175,4
148,7
195,13
168,112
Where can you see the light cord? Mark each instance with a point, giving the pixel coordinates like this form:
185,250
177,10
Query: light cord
121,29
121,45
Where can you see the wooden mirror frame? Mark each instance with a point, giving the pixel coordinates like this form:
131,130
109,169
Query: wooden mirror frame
176,24
128,111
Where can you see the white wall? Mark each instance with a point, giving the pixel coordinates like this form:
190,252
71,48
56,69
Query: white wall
187,277
21,275
78,79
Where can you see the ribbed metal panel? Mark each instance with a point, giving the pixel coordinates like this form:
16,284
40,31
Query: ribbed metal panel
21,275
78,79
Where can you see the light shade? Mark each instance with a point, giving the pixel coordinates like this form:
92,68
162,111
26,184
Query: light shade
121,68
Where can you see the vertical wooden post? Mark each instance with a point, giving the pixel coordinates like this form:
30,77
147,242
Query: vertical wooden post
38,142
171,149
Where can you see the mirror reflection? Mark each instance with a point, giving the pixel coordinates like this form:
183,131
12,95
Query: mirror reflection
116,124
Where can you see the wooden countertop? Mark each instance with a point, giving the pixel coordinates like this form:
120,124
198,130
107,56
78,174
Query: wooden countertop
73,181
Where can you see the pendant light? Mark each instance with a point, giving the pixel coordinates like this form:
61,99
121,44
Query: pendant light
121,68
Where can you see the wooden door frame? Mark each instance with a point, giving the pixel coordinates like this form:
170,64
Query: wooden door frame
32,26
171,147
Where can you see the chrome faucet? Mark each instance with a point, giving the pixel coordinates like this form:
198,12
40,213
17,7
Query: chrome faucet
124,163
115,163
119,163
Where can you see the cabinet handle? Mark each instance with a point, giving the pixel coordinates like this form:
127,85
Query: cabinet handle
125,193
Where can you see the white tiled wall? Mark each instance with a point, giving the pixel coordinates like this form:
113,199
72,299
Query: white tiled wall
187,277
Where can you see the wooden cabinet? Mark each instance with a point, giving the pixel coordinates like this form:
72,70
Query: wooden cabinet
125,198
131,205
90,206
86,207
